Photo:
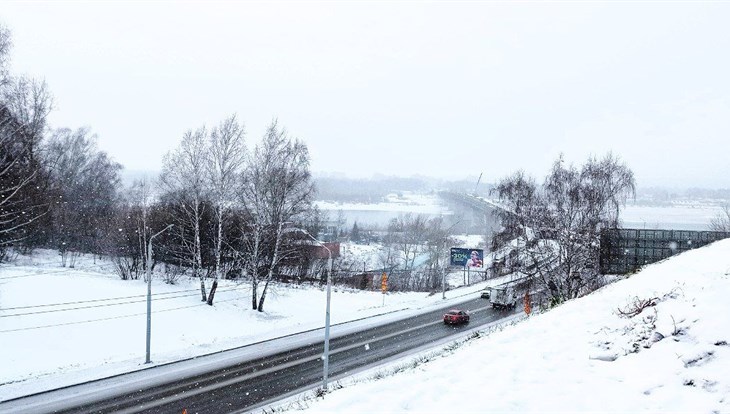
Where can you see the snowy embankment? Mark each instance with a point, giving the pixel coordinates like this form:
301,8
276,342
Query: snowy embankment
583,356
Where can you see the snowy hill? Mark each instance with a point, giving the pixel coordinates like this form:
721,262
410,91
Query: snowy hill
583,356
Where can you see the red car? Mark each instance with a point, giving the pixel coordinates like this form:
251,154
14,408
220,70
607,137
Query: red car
455,316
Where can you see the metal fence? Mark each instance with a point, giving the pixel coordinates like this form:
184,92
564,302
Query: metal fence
626,250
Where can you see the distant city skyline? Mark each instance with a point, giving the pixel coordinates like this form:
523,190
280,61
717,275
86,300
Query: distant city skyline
445,90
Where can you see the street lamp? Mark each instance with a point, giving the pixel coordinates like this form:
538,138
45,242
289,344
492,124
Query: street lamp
149,291
326,355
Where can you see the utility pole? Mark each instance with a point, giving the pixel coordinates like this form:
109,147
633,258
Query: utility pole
326,355
326,368
443,283
149,291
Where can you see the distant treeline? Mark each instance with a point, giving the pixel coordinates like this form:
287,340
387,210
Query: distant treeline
373,190
666,196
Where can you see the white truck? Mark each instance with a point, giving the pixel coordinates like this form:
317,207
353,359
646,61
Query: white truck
508,294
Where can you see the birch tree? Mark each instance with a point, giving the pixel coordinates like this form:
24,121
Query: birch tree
184,179
277,189
227,156
557,225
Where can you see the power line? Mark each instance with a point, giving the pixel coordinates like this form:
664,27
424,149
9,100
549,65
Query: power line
97,306
97,300
106,319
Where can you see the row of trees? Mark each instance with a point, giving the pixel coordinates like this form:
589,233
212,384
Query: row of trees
239,207
240,212
411,238
234,212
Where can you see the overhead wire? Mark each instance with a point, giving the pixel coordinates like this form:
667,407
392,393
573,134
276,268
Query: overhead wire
105,319
97,300
99,305
157,297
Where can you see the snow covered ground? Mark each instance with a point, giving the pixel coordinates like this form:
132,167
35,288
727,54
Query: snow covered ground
679,217
379,214
61,326
406,202
583,356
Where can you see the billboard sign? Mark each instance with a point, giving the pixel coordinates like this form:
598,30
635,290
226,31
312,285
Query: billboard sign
467,257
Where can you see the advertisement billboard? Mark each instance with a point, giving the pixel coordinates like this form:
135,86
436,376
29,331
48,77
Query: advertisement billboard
467,257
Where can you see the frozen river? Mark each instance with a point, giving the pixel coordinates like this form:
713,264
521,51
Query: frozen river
684,217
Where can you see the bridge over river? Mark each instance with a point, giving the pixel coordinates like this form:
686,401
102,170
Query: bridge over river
623,250
474,215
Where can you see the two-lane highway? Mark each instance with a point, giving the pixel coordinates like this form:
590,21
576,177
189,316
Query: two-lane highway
254,383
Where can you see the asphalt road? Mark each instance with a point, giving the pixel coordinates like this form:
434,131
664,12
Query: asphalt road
256,383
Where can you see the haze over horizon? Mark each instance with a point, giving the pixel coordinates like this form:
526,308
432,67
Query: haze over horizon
444,90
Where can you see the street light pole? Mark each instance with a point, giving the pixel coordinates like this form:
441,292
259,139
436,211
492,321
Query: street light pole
443,283
326,355
149,292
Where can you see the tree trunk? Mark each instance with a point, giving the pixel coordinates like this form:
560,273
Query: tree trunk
253,271
263,297
212,292
254,294
202,289
274,261
198,257
217,256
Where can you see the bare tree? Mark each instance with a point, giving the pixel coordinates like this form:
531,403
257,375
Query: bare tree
30,101
17,174
438,239
5,44
24,107
555,228
85,184
407,235
388,255
140,200
126,243
184,179
277,189
340,223
721,222
227,156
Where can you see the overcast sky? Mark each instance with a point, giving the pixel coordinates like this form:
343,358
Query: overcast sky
437,89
